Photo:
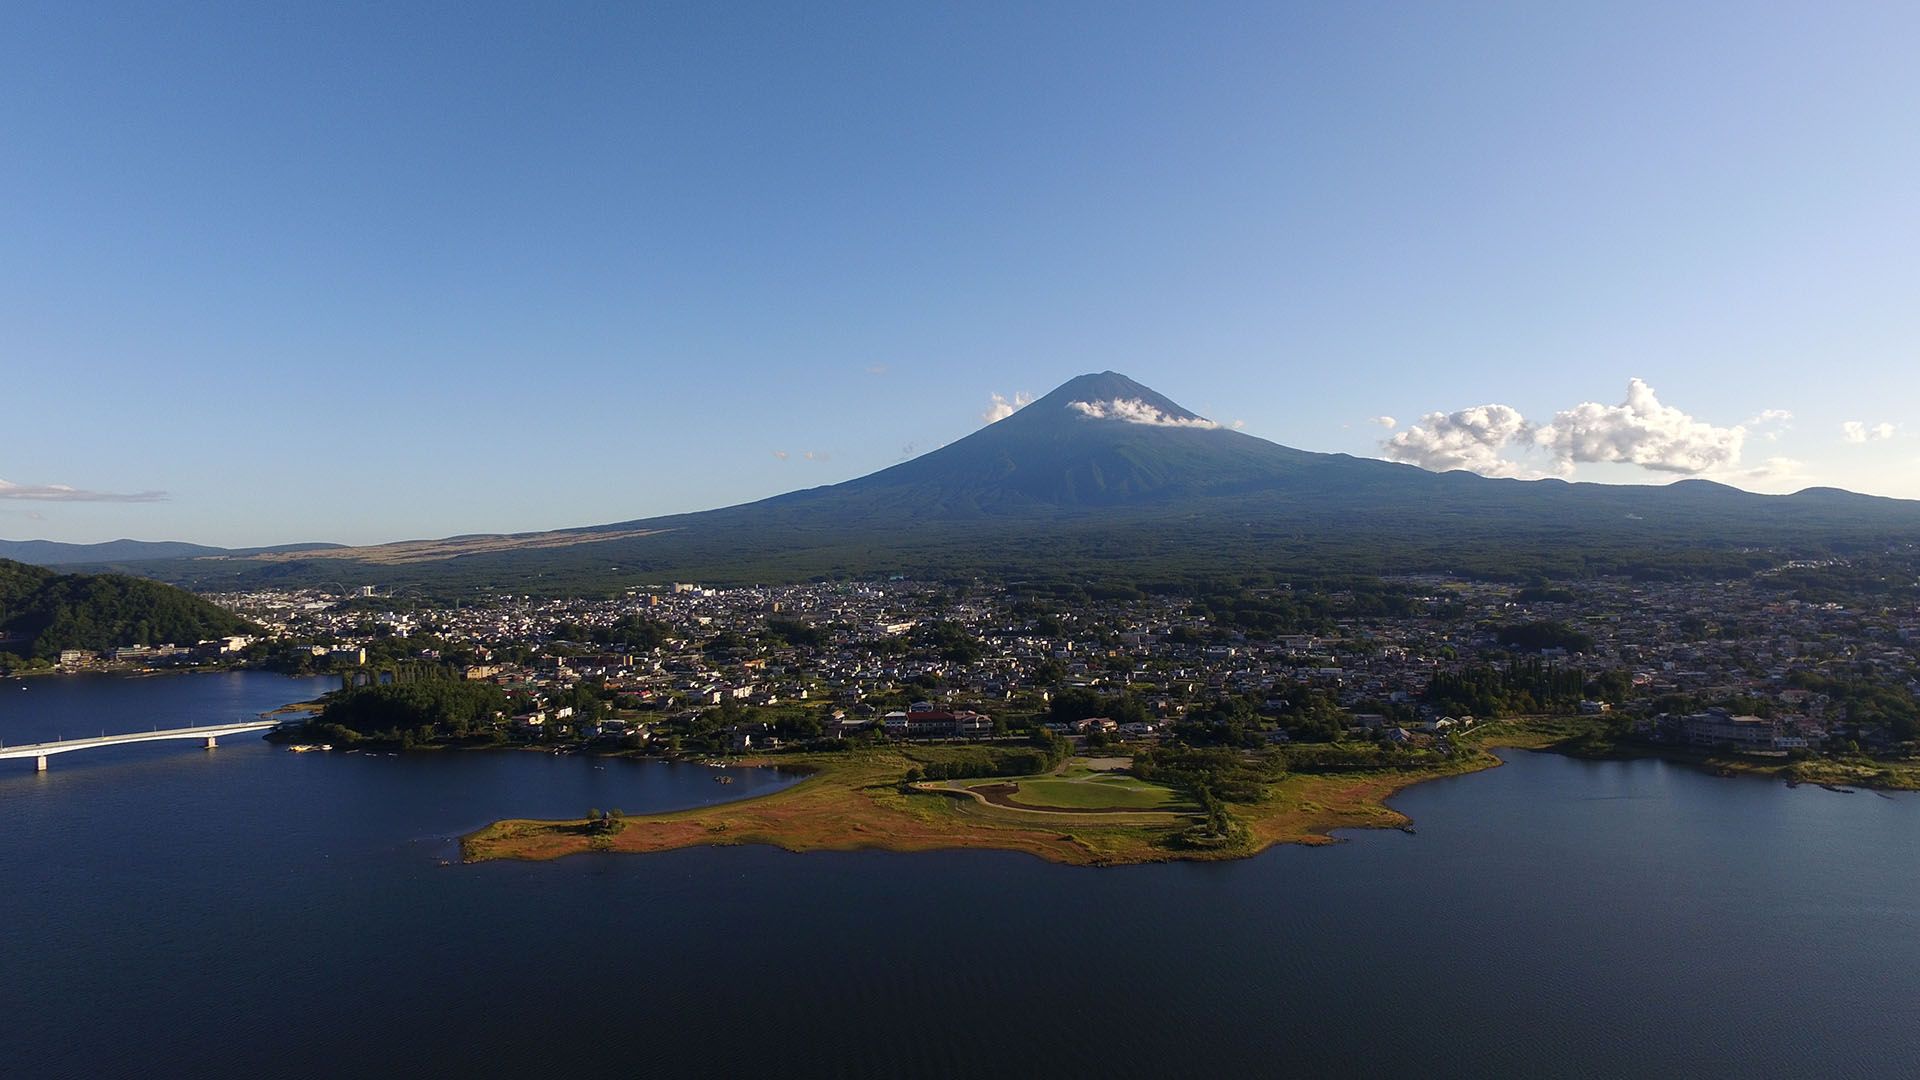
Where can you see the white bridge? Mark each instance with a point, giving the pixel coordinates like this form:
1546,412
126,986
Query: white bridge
210,734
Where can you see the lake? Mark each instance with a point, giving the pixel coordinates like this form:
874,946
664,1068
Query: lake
247,911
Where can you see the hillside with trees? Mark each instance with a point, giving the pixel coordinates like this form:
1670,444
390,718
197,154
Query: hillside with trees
42,612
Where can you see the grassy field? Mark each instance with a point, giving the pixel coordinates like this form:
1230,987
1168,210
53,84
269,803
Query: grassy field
858,800
852,801
1093,791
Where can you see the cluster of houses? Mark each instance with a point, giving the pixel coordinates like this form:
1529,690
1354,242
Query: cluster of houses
1706,643
213,650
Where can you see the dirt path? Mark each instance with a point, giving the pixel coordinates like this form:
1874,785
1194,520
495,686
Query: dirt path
999,797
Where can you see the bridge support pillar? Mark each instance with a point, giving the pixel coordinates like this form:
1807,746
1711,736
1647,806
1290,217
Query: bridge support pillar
212,742
40,763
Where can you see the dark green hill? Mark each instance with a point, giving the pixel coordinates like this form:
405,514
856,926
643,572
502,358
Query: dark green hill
42,612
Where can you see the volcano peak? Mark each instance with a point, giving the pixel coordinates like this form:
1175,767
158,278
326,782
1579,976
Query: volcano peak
1109,395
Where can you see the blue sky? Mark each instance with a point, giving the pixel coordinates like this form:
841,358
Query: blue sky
381,271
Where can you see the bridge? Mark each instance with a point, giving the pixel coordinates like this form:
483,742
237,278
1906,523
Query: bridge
211,734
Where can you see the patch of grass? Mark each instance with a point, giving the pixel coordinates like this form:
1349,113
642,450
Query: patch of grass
857,800
1102,793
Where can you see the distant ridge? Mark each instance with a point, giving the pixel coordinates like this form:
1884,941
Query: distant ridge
54,553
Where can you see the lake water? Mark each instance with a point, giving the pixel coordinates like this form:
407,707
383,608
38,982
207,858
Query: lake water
247,911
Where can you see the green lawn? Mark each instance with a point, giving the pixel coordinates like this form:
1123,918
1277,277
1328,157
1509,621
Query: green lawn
1099,792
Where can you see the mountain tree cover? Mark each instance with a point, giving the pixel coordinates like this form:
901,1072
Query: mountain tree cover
797,632
1229,775
103,611
952,641
1227,721
1875,580
1534,636
1516,689
1045,753
1866,703
1075,704
415,711
1311,606
633,631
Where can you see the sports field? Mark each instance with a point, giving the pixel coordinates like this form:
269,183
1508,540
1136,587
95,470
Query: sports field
1079,789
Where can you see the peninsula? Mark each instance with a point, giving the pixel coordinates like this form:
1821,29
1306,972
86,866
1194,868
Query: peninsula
1153,805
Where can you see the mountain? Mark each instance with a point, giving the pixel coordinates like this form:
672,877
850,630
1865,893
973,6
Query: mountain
110,552
43,612
1098,440
53,553
1105,477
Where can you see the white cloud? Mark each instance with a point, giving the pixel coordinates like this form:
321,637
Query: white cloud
877,369
1856,431
1641,431
63,493
781,454
1470,439
1135,411
1387,422
1238,425
1775,471
1768,423
1001,408
1777,468
818,455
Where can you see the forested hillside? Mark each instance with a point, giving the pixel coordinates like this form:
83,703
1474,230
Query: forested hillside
42,612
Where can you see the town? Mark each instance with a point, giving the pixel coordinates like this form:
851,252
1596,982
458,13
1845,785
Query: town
1748,666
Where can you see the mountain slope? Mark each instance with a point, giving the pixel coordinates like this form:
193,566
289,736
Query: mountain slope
1073,448
1106,476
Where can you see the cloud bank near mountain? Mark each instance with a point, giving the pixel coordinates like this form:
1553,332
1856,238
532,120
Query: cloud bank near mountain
1002,407
1134,411
1641,431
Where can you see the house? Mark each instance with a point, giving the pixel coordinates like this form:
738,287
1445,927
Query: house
923,721
1717,728
842,726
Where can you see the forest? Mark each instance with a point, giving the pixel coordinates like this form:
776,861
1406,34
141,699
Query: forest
42,612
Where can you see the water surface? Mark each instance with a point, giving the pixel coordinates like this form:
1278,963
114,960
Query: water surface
250,911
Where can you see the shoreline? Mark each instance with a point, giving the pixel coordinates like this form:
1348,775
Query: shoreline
858,801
